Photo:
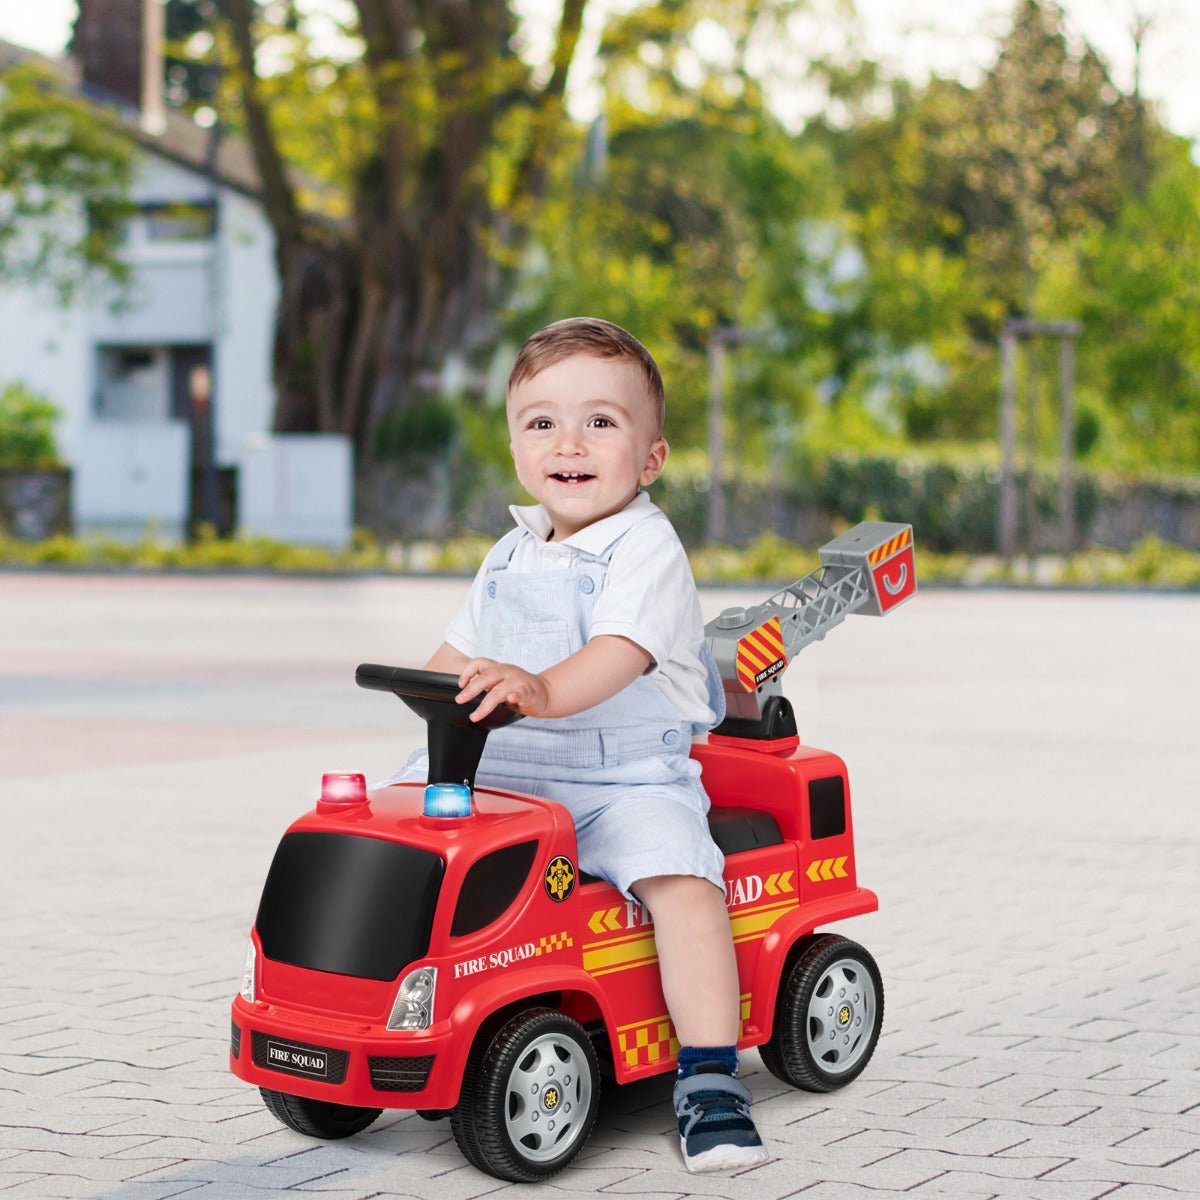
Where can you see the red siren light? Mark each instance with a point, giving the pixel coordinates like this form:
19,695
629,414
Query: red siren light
342,787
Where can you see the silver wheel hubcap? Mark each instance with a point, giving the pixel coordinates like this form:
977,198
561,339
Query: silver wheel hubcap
548,1097
841,1016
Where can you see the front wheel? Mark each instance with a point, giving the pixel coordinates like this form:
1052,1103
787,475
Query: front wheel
828,1018
529,1097
318,1118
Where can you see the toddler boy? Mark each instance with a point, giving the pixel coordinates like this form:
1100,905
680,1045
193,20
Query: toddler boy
585,619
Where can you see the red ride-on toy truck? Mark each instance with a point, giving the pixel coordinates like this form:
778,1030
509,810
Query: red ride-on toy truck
438,949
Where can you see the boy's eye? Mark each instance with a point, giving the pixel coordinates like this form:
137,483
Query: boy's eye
541,423
601,422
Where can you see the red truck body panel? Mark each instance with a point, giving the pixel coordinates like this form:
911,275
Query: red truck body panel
581,946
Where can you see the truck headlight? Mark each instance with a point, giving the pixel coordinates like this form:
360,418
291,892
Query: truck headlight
414,1000
248,972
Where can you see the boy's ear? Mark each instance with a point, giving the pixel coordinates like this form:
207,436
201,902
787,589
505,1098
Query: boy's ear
655,461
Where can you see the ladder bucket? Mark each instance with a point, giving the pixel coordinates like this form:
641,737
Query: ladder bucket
884,552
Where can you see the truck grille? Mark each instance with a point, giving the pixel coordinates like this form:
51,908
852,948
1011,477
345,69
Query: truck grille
407,1074
235,1039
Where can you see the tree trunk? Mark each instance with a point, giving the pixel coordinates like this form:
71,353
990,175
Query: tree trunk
370,310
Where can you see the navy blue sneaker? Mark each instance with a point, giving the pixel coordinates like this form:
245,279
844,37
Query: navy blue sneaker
715,1129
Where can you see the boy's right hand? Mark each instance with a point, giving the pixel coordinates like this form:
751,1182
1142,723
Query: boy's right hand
504,683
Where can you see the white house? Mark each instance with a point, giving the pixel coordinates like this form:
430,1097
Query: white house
162,393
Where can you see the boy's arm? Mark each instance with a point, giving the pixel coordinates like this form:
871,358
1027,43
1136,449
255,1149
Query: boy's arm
447,659
599,670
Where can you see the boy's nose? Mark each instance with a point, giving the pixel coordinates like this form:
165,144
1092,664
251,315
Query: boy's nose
569,441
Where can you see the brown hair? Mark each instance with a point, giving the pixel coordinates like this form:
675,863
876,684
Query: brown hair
589,335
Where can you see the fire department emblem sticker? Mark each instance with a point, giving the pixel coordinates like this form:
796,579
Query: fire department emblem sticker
560,878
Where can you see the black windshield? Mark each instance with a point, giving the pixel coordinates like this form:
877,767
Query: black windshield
347,904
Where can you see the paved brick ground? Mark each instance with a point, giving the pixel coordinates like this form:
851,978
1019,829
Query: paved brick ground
1026,800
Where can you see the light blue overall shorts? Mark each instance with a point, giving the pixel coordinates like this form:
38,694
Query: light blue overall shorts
622,768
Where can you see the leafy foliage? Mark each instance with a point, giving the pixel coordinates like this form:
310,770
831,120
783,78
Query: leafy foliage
1141,309
55,149
694,213
402,150
27,422
1041,191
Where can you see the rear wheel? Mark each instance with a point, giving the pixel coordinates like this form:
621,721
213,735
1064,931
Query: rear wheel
828,1018
529,1097
318,1118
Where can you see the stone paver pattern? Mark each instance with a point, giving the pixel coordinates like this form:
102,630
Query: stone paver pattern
1026,787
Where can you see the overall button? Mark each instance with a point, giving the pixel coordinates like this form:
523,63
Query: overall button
491,588
671,737
586,586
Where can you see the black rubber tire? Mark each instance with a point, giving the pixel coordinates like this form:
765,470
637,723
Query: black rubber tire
318,1118
789,1054
479,1121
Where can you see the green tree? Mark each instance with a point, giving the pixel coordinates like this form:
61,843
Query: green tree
190,80
435,135
1044,156
65,171
963,198
696,209
1138,295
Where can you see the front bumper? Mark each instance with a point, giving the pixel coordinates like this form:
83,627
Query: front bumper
344,1062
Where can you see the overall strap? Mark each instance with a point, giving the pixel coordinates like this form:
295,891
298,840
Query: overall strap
500,555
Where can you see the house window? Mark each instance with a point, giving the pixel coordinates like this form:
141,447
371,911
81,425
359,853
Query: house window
181,221
154,383
132,383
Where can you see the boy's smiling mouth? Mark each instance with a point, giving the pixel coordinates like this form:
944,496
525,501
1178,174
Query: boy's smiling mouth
571,478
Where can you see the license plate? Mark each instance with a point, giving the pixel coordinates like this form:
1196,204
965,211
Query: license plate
297,1059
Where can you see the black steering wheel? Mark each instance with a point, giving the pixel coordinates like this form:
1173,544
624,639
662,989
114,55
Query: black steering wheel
455,741
430,694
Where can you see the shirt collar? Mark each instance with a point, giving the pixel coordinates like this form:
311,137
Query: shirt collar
594,538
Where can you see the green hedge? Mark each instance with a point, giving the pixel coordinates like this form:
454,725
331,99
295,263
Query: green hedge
952,506
767,562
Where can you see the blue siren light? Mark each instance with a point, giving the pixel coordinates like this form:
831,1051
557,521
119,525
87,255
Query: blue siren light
447,800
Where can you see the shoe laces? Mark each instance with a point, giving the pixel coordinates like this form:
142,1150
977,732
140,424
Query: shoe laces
711,1096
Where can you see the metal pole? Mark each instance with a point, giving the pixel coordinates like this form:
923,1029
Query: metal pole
1029,492
1066,482
716,436
1006,533
210,487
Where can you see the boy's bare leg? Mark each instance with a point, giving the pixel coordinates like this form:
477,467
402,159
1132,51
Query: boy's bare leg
695,957
699,977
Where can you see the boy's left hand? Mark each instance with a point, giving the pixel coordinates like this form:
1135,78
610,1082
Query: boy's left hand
504,683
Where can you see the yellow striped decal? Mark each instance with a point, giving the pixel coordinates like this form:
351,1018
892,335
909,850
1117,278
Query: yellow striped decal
639,950
891,546
553,942
748,926
827,868
620,954
760,654
648,1041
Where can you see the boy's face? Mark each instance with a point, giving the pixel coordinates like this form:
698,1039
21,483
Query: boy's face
583,438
